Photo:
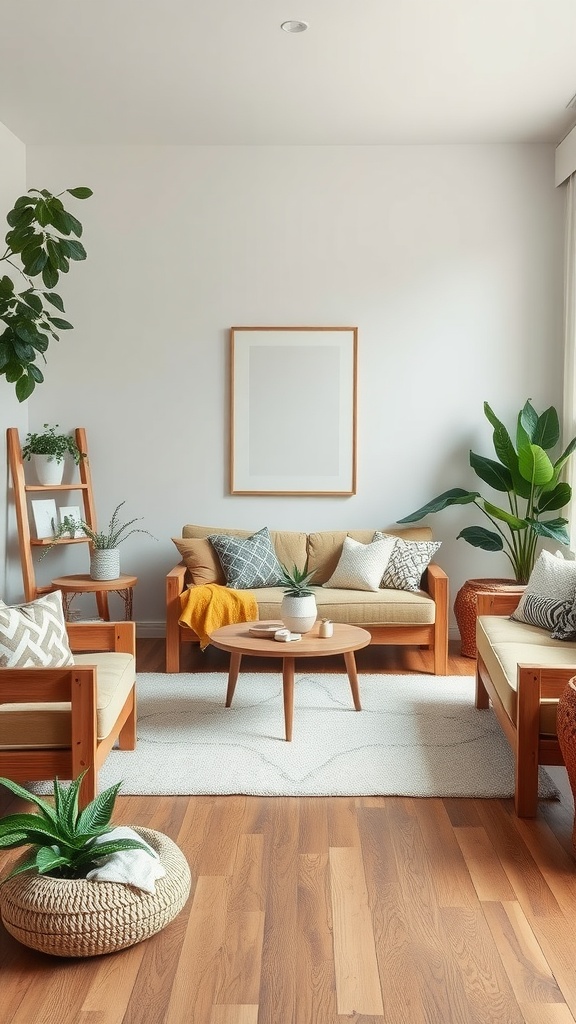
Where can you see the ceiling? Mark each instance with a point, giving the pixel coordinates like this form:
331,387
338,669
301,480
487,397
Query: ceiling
218,72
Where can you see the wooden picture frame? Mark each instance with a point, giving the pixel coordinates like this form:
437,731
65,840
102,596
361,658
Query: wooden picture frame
293,395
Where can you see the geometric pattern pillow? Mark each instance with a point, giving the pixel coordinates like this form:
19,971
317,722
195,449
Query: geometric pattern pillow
248,562
552,583
408,561
565,628
361,565
33,635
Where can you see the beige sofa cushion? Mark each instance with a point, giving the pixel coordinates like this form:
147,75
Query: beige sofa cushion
325,548
289,545
48,725
503,644
359,607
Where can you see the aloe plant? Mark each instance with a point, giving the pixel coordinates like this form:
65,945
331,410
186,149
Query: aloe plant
296,580
531,482
61,835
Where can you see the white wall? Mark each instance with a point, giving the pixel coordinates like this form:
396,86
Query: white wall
448,259
12,412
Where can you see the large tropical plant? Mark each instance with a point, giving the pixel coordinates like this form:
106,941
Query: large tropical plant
40,238
529,477
62,836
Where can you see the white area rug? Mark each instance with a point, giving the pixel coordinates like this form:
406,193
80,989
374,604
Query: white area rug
417,735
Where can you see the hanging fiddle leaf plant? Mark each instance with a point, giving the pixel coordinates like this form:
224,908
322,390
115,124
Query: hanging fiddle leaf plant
44,238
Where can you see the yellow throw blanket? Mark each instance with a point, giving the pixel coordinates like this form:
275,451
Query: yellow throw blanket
207,607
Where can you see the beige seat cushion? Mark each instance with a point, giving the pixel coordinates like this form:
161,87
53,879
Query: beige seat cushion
503,644
358,607
48,725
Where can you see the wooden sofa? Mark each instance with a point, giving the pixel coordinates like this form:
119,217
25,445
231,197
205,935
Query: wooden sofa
391,616
522,672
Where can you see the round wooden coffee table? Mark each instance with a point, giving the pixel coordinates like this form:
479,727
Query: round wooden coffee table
237,641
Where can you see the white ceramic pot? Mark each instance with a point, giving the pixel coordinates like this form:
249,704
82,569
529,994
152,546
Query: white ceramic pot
48,471
105,564
298,613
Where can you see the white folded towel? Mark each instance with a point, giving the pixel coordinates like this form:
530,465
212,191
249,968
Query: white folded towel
132,867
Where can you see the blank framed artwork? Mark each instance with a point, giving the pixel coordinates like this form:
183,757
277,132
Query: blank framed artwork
293,410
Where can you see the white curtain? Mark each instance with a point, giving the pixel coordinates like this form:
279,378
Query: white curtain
569,406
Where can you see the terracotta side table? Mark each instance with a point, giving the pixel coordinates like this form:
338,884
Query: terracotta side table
466,603
84,584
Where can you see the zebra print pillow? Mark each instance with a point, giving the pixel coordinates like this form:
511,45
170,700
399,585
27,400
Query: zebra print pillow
549,593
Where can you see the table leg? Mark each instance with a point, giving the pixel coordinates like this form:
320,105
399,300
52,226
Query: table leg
102,602
126,596
288,689
233,671
353,677
67,599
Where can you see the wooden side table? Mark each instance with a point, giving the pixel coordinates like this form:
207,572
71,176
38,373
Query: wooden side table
84,584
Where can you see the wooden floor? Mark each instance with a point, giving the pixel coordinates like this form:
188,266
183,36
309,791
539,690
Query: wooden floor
317,911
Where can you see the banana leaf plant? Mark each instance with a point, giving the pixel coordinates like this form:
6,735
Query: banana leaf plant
529,478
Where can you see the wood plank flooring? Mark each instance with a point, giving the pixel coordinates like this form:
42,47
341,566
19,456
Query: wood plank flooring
330,910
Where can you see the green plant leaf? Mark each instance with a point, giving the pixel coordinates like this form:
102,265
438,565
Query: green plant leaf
62,325
46,809
527,425
492,473
93,853
549,501
553,529
25,385
36,373
34,259
54,299
47,860
479,537
455,496
535,465
75,250
547,432
95,818
35,826
75,225
49,276
570,448
81,192
505,517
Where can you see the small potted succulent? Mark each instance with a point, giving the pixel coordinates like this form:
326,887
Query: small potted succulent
105,557
47,451
52,901
298,610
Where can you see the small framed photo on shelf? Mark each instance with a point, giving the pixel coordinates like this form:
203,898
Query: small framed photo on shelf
70,512
44,513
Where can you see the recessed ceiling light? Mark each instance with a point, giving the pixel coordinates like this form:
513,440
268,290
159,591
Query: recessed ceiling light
294,26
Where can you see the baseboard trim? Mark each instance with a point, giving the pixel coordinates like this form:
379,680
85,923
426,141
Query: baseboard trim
151,630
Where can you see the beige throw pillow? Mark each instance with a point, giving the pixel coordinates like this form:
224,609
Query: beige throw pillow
201,560
361,566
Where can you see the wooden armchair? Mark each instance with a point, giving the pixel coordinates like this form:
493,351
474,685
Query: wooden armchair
523,681
55,741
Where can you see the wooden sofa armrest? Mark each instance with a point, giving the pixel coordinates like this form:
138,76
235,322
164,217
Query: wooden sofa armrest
175,585
496,602
436,583
102,636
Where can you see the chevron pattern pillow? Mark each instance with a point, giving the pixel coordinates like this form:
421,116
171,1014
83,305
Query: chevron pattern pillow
248,562
33,635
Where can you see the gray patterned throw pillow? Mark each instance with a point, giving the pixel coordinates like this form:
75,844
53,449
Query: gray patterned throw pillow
33,635
408,561
549,593
248,562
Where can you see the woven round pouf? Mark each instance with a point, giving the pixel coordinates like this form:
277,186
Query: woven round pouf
466,603
566,729
77,917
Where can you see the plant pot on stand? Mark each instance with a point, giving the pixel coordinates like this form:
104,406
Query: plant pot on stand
49,471
105,564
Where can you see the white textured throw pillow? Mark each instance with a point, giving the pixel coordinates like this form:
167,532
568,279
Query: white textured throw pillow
361,565
33,635
550,590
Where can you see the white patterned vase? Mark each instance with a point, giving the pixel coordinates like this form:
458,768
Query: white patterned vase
298,613
48,471
105,564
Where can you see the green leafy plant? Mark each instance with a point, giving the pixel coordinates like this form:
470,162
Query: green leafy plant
109,538
56,446
296,580
62,836
531,482
39,238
